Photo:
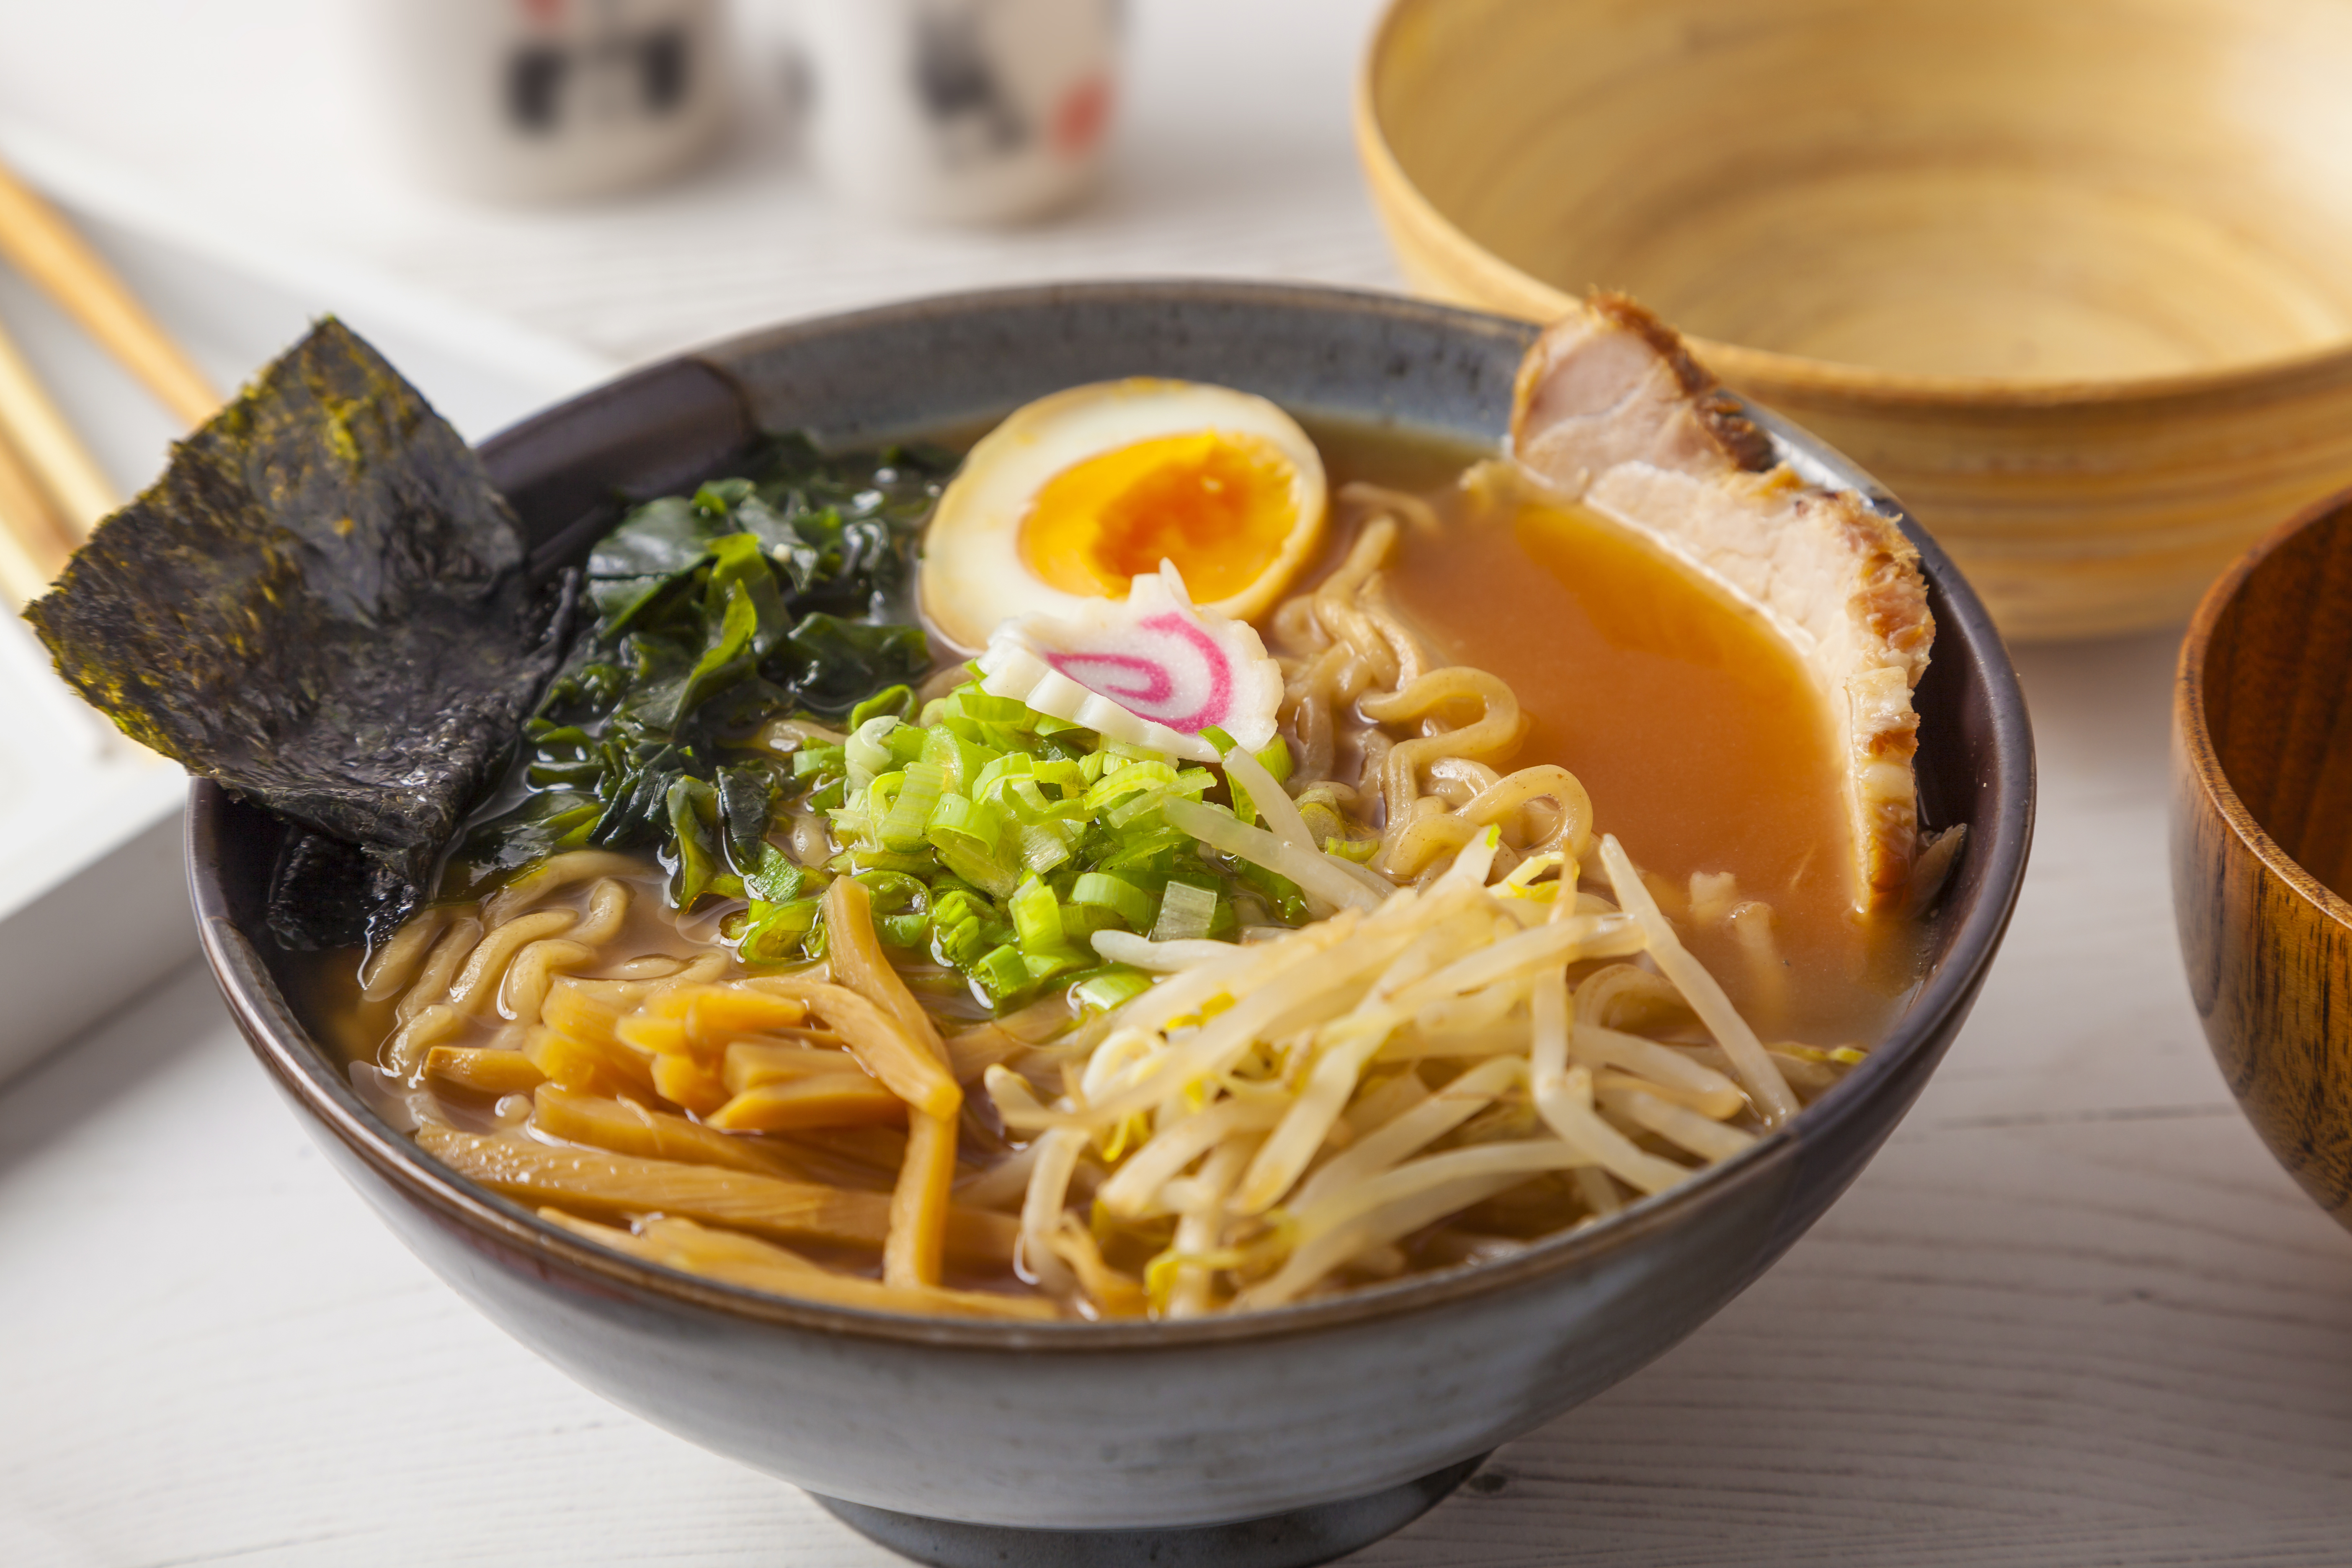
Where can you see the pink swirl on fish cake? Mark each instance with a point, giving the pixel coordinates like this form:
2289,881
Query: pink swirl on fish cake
1159,682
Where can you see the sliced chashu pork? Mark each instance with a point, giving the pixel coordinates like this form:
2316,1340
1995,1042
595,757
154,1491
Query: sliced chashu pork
1611,409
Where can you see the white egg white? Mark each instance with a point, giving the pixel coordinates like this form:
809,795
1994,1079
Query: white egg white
972,577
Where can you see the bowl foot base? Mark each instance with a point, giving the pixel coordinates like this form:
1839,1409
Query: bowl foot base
1295,1539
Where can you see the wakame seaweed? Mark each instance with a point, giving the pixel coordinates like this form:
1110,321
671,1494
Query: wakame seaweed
321,605
755,598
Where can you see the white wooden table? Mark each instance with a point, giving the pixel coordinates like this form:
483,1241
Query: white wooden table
2074,1314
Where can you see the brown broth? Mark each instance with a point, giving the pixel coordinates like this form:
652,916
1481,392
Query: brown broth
1702,740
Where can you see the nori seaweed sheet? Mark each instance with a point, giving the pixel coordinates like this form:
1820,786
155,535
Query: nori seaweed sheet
322,605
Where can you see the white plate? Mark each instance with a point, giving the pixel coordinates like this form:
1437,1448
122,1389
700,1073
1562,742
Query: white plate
93,898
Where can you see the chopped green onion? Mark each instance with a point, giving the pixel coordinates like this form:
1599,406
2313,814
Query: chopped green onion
979,705
963,729
983,871
1044,845
880,791
1054,961
975,819
1036,916
1127,780
777,931
1029,800
957,759
1080,921
891,702
867,750
1107,988
1185,913
1001,841
818,759
962,930
1001,973
1138,807
777,879
970,837
921,863
894,892
903,931
910,814
1129,902
1152,847
1282,895
990,783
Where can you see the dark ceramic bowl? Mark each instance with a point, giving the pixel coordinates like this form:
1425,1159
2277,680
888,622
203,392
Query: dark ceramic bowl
1085,1427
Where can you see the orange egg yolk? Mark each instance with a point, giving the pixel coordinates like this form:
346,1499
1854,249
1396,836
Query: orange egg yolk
1218,503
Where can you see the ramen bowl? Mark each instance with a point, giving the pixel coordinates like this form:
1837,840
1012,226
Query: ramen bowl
951,1438
2075,281
2261,839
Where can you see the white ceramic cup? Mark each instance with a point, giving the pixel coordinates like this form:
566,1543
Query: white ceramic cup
545,100
959,111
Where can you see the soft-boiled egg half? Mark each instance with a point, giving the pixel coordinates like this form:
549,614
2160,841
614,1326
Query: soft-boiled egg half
1076,495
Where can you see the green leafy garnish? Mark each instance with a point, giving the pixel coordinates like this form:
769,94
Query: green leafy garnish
751,599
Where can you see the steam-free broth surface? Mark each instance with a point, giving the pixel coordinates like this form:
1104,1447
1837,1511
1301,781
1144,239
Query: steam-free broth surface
1703,743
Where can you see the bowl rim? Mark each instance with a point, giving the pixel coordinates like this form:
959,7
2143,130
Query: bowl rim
1782,372
2197,751
311,1075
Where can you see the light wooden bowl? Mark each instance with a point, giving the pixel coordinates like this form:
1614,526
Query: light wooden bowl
2074,281
2261,839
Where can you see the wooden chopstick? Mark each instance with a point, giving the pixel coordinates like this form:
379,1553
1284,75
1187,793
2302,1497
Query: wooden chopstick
45,247
30,422
33,541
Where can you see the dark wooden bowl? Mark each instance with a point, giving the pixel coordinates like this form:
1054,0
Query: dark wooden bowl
2262,837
